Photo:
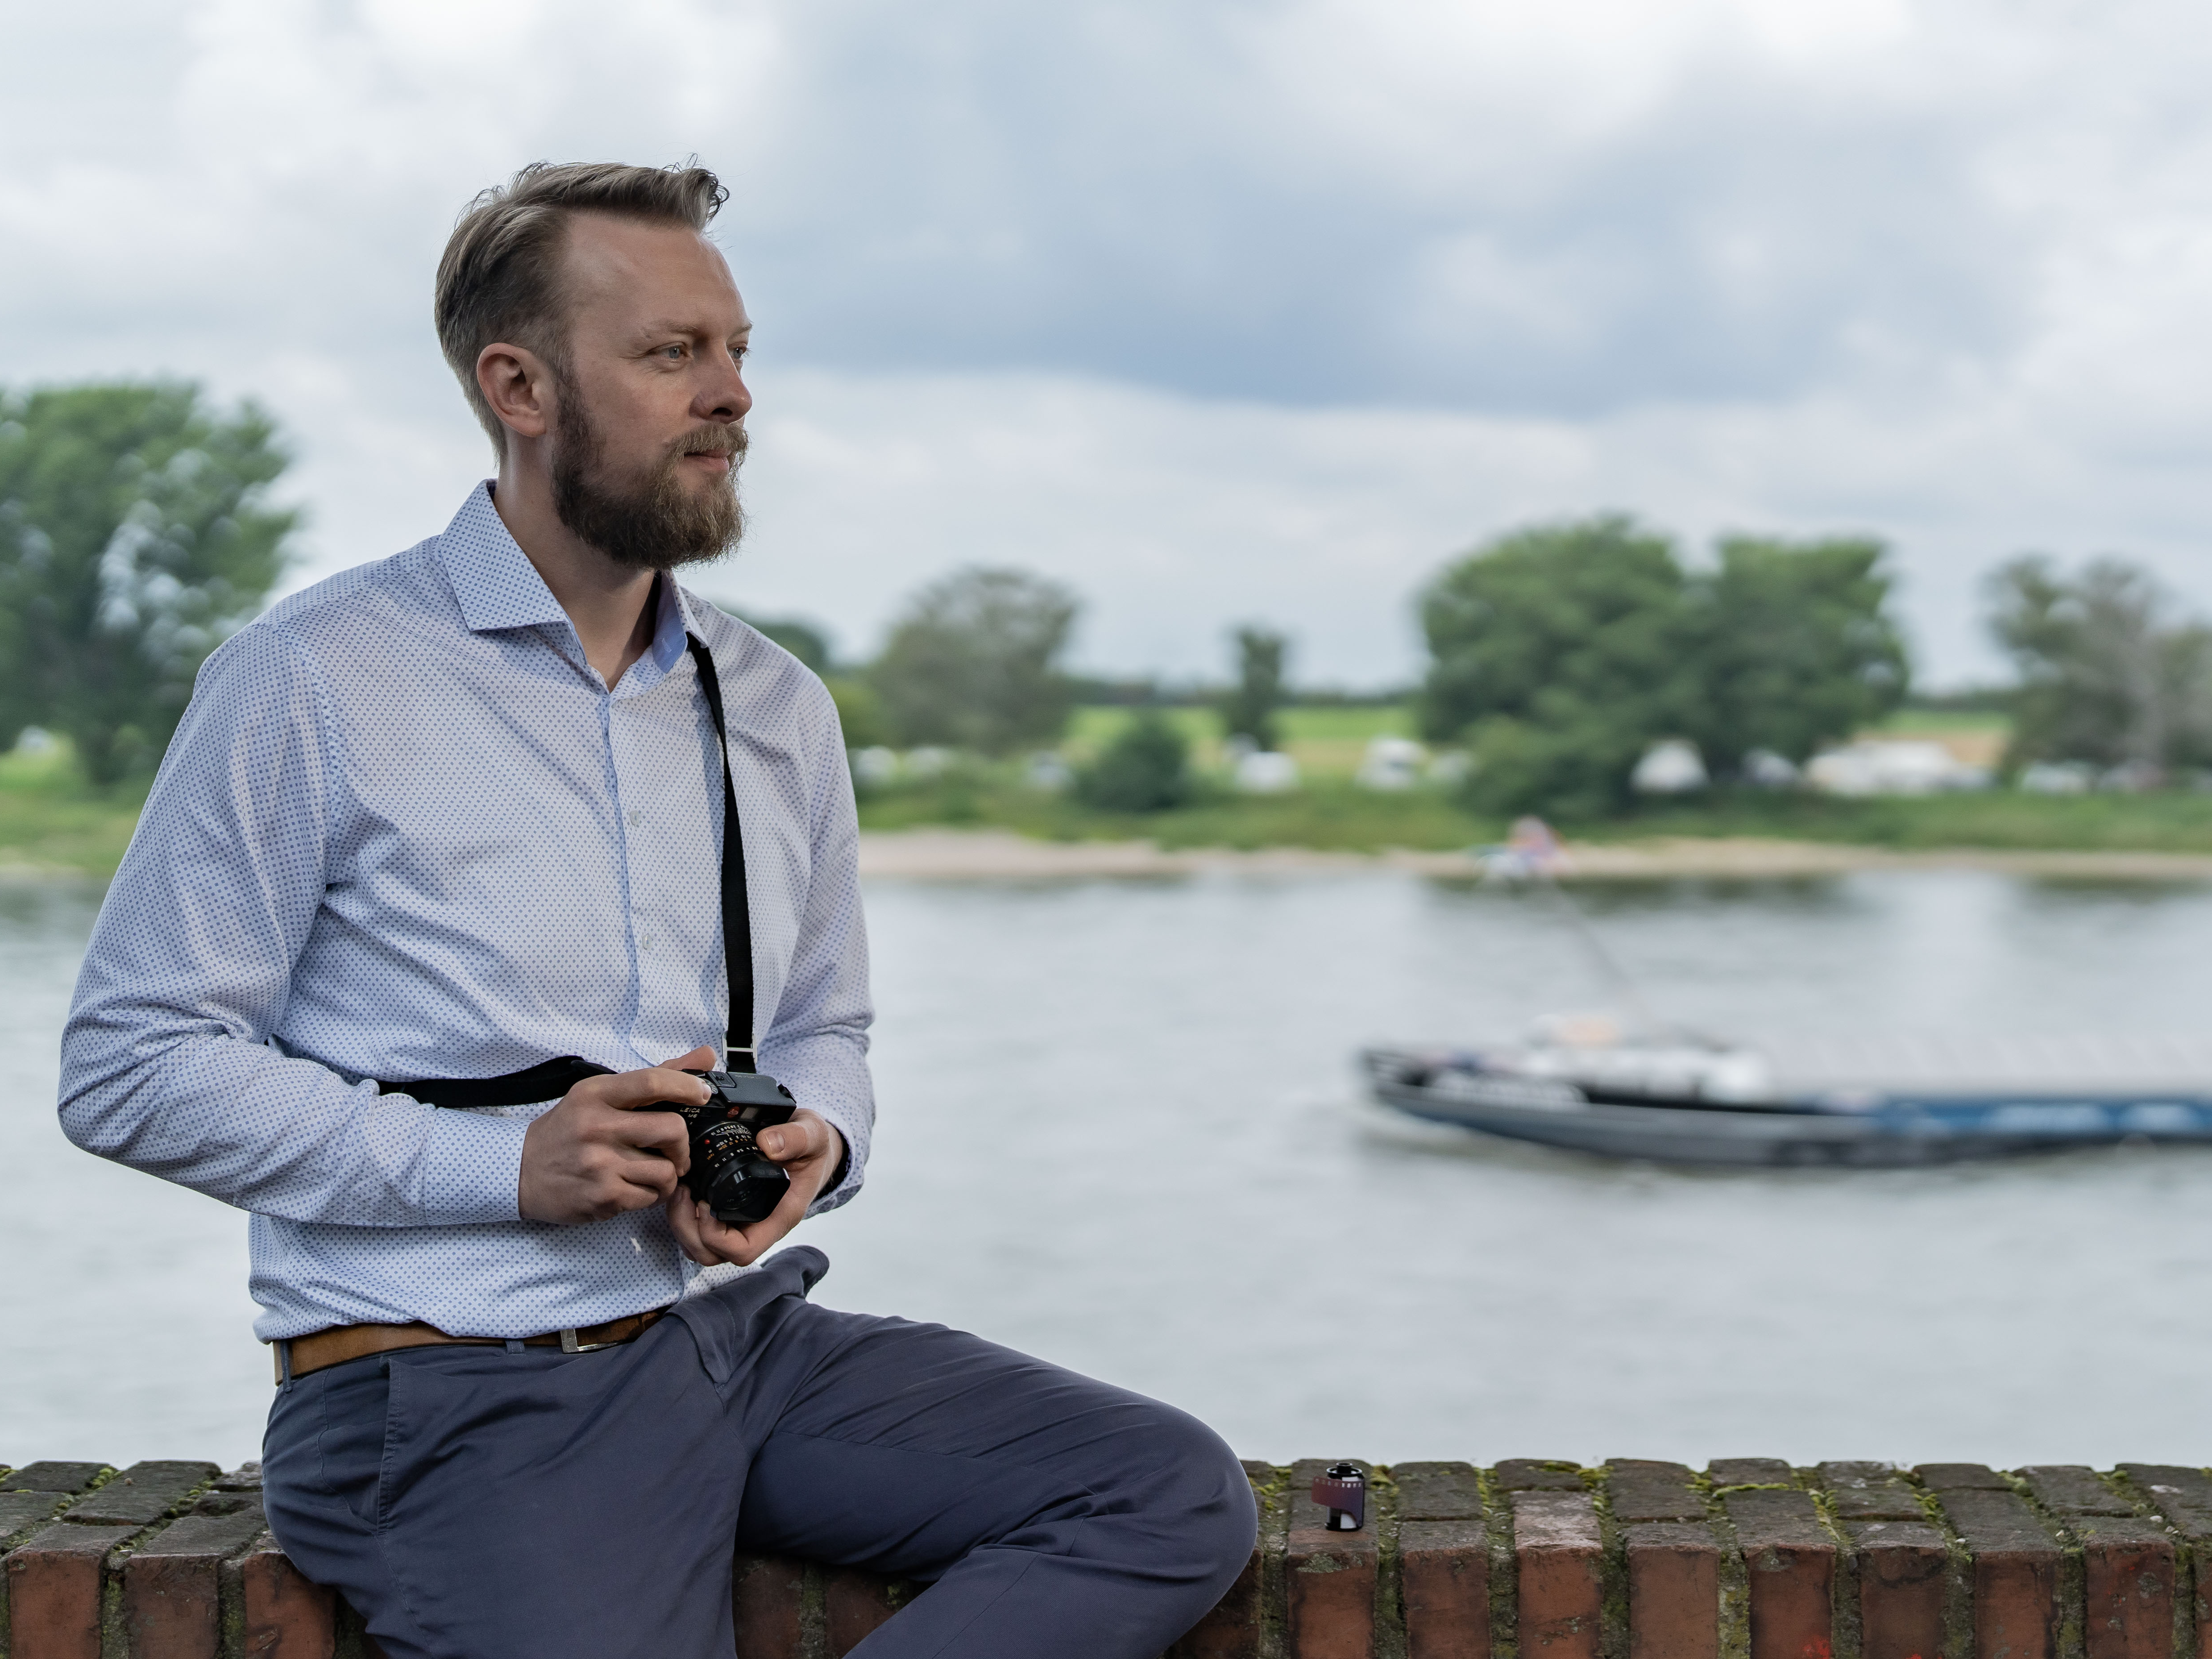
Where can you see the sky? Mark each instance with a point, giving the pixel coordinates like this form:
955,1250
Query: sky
1218,310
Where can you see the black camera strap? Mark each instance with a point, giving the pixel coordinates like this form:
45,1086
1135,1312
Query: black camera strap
736,909
552,1078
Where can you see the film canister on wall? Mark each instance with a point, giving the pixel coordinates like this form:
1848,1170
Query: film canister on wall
1343,1493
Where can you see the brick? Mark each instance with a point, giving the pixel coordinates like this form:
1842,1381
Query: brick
1558,1562
247,1477
54,1582
1790,1560
279,1615
2015,1574
22,1512
1437,1492
1901,1572
1444,1569
768,1599
142,1494
1444,1559
1328,1604
2127,1588
2175,1482
2072,1489
855,1604
1641,1490
1539,1474
1750,1472
1234,1627
219,1502
2184,1496
54,1477
173,1584
1673,1590
1870,1491
1961,1477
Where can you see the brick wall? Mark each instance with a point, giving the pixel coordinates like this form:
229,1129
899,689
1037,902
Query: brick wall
1532,1560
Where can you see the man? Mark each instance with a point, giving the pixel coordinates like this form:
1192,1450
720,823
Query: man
461,814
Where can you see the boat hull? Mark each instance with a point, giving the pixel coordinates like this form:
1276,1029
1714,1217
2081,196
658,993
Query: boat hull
1897,1132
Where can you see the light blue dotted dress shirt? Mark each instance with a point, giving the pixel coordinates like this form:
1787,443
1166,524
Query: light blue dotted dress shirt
405,830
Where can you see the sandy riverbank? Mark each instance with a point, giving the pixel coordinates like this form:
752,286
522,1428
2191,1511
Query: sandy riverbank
993,855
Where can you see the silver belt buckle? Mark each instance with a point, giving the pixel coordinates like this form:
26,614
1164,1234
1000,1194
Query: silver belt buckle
569,1345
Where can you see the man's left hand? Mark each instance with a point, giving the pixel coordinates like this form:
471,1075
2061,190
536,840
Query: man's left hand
809,1151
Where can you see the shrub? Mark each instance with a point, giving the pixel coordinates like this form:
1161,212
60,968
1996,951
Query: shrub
1145,768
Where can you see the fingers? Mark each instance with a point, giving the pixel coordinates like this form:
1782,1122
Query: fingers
684,1214
807,1136
746,1245
600,1153
630,1090
659,1136
575,1170
701,1059
604,1150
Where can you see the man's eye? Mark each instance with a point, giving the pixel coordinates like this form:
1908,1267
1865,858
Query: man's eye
671,352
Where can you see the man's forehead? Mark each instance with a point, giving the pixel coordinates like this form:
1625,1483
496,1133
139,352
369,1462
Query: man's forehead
670,275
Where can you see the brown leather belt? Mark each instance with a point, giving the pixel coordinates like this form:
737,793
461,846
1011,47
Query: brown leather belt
340,1343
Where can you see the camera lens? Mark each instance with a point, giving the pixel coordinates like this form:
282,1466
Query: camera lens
739,1184
746,1190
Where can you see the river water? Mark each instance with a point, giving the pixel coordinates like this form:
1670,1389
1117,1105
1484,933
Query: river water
1119,1130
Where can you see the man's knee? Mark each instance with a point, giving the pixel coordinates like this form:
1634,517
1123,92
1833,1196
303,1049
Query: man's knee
1195,1492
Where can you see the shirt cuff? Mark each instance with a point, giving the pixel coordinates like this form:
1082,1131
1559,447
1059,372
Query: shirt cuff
856,1160
472,1167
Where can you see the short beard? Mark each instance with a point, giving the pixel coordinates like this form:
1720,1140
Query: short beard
653,522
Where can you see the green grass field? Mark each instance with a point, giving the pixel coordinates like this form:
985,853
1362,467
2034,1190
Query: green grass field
51,819
1328,812
1335,815
1331,816
1326,743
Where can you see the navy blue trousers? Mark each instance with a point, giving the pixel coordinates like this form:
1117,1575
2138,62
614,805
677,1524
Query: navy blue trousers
474,1503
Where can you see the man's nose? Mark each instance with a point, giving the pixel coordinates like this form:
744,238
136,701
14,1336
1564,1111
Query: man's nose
724,397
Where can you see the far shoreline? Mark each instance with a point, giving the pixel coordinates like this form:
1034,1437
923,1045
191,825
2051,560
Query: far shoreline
944,853
947,854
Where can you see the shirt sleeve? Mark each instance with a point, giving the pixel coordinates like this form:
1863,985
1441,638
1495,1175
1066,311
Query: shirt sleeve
817,1041
166,1059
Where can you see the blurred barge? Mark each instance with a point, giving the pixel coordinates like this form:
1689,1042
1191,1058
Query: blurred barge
1682,1101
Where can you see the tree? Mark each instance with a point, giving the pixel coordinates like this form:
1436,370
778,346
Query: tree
974,662
1145,768
1795,648
133,540
1249,710
803,639
2108,673
1559,654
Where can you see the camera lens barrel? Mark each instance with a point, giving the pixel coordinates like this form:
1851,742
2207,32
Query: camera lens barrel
729,1174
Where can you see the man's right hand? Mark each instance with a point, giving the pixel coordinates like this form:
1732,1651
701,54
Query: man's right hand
596,1155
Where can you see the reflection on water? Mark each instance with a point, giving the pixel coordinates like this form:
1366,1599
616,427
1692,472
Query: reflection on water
1119,1131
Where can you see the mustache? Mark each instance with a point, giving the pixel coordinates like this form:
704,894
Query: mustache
730,440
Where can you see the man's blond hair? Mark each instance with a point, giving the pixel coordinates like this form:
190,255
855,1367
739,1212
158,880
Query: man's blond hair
501,275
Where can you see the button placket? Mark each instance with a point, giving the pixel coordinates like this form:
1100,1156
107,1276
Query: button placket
622,767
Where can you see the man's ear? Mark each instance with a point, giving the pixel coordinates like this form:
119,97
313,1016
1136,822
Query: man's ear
518,385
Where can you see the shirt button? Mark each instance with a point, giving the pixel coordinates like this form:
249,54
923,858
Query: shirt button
636,817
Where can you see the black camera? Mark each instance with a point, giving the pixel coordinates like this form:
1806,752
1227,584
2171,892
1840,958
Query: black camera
729,1173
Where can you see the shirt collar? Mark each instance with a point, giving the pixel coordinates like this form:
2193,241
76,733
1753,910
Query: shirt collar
492,577
670,625
498,587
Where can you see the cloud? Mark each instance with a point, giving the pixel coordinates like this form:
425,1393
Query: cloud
1177,516
1249,307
